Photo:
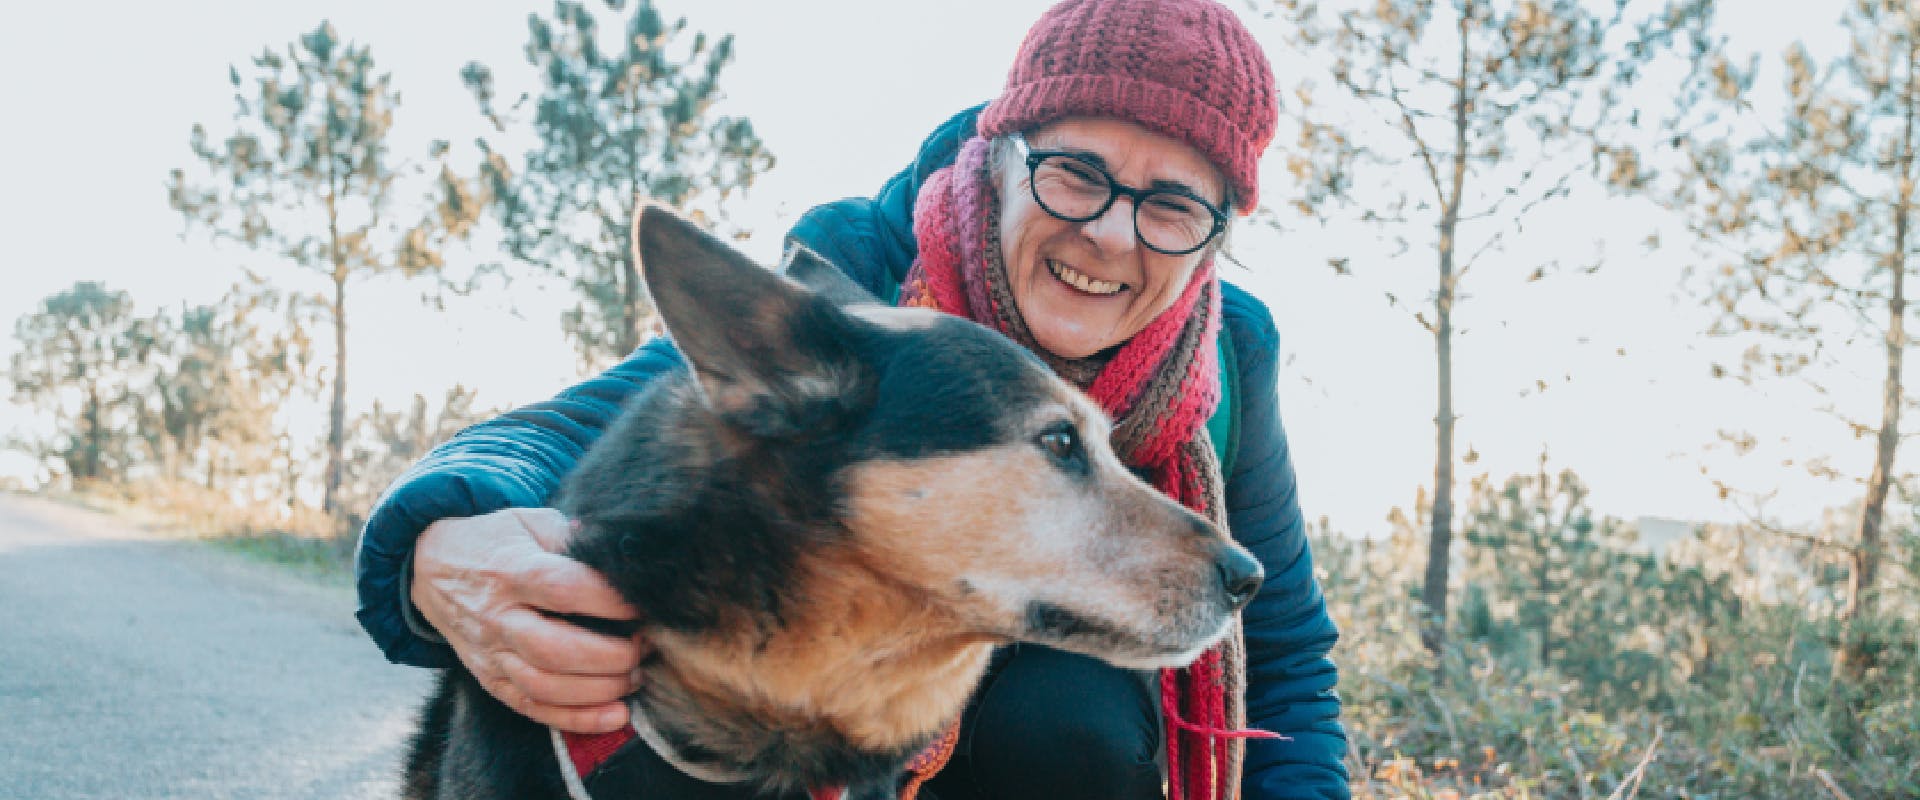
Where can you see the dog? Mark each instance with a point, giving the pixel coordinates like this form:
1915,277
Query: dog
827,524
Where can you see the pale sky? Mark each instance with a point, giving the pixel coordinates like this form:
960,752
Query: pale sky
842,93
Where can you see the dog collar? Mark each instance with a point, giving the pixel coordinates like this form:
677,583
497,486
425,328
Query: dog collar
581,754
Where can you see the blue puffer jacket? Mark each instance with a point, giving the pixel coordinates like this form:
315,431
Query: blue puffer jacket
519,458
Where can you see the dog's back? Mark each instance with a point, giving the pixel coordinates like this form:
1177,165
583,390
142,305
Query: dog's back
827,523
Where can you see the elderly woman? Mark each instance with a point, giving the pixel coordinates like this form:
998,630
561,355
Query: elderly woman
1079,213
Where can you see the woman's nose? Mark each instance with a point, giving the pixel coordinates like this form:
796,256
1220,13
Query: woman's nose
1112,231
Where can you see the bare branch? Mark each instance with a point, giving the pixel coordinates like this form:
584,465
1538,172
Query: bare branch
1639,771
1826,780
1467,265
1808,539
1419,144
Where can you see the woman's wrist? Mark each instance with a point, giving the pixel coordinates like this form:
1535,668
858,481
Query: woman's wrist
410,611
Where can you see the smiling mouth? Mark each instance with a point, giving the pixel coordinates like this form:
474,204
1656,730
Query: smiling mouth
1077,280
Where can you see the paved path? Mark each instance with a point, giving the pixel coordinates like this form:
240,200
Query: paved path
133,666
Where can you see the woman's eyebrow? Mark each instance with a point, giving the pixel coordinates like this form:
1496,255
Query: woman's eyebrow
1097,159
1175,186
1101,162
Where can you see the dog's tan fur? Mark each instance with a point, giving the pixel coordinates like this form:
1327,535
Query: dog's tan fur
957,534
869,659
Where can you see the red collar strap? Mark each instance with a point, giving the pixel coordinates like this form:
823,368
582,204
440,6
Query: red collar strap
588,751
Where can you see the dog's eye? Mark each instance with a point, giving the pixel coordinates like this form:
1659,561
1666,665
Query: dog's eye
1061,442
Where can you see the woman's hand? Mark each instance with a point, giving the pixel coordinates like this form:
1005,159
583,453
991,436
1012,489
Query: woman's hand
484,583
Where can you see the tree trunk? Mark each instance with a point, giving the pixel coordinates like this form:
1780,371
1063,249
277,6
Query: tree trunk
629,338
337,415
292,474
1543,569
1855,655
1440,539
96,434
1543,587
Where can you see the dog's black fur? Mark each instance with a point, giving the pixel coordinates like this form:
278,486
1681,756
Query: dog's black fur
724,505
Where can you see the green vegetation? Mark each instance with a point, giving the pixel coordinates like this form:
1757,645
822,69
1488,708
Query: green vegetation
1577,652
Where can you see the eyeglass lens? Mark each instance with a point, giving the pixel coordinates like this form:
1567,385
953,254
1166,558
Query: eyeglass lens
1077,191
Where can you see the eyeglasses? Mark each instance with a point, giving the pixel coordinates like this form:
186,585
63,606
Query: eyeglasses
1076,188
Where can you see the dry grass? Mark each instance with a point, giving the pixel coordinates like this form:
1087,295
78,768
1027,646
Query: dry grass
300,536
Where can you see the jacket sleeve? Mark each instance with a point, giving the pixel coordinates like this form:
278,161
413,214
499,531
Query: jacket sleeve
514,460
518,459
1290,680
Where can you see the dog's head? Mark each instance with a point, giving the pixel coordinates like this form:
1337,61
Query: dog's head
961,470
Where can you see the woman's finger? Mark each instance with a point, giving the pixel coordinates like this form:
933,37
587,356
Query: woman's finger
558,646
563,585
557,689
573,719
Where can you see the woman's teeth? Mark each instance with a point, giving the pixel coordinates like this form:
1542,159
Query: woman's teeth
1082,282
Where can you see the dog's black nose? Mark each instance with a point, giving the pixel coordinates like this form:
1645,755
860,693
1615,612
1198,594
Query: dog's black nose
1240,575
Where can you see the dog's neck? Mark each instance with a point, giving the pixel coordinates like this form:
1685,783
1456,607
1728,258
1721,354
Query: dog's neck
650,734
867,668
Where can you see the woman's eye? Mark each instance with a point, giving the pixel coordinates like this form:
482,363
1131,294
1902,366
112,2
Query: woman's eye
1074,172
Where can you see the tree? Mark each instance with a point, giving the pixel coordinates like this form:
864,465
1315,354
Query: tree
1537,528
1580,596
307,174
1809,228
76,354
615,128
223,372
1493,105
386,442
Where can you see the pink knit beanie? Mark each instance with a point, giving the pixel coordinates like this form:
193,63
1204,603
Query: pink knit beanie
1185,68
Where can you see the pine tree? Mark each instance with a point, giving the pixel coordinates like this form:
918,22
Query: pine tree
77,353
615,128
307,175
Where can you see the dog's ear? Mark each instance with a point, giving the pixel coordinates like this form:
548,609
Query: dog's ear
824,278
773,359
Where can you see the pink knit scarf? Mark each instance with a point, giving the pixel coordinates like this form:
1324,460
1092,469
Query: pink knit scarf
1160,387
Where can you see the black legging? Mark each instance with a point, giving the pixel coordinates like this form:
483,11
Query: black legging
1057,726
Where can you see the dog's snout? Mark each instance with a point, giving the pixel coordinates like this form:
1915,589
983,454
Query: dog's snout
1240,575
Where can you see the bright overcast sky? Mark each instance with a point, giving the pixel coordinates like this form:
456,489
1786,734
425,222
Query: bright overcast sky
842,93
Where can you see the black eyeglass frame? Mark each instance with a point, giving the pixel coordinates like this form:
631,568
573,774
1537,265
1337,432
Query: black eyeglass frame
1114,190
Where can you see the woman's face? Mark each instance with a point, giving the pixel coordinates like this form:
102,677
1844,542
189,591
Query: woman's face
1083,287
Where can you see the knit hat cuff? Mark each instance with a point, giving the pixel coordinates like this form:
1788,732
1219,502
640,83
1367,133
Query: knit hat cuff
1156,106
